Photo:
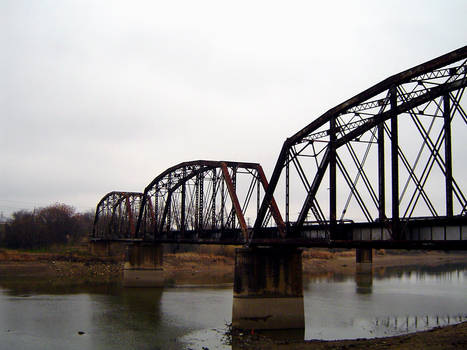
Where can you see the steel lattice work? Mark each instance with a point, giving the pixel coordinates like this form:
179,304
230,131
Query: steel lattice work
389,156
116,215
204,200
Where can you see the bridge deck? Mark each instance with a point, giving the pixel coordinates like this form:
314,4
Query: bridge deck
421,233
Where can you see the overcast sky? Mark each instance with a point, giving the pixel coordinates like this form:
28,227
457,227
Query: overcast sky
98,96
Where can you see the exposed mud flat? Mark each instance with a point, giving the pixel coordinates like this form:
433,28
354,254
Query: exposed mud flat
446,338
188,268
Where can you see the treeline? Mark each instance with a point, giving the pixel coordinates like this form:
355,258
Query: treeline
43,227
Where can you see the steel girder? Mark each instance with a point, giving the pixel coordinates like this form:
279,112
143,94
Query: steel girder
405,135
204,199
116,215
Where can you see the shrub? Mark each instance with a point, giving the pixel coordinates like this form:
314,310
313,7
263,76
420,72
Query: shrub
55,224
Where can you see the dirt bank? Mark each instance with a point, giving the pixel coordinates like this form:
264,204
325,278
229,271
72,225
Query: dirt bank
323,263
446,338
197,267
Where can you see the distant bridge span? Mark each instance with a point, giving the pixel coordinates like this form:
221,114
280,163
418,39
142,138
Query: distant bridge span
117,215
385,168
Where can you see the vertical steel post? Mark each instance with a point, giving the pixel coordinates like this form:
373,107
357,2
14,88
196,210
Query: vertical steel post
332,176
448,154
156,210
381,187
197,203
394,165
183,219
222,200
213,199
234,184
258,193
287,193
169,203
201,201
115,219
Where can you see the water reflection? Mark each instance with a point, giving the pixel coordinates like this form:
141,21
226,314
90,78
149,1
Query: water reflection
26,287
356,306
144,302
364,278
440,272
407,324
42,313
366,274
132,318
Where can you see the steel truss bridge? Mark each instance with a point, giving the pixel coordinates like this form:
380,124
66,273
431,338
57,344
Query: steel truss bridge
384,169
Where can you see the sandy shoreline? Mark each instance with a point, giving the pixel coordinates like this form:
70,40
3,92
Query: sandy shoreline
188,268
315,263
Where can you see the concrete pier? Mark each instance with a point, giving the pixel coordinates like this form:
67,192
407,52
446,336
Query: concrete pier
99,248
143,266
268,289
107,248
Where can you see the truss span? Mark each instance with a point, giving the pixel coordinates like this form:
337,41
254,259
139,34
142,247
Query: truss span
116,215
387,156
203,199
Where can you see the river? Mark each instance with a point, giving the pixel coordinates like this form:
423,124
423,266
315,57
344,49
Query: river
36,314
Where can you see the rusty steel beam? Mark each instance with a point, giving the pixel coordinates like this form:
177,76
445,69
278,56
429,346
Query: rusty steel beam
276,214
195,190
234,198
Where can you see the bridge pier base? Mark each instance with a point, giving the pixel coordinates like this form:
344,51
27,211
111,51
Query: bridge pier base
99,248
143,267
107,248
268,289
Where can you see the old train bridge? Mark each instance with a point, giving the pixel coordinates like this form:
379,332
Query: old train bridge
384,169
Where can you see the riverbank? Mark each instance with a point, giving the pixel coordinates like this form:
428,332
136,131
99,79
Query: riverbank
318,263
192,267
446,338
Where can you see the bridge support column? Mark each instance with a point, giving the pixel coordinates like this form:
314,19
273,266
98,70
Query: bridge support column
143,267
268,289
107,248
364,270
99,248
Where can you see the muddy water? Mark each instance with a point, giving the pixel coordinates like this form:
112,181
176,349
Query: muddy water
37,314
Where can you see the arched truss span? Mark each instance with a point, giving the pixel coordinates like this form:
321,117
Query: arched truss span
116,215
388,155
204,199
